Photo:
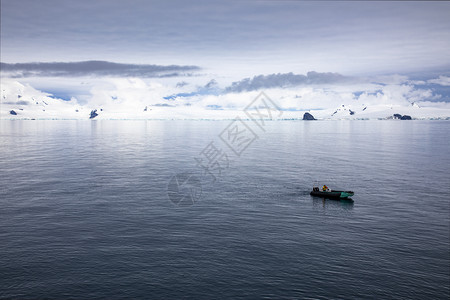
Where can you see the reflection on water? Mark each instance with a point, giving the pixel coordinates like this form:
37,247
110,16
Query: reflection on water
330,204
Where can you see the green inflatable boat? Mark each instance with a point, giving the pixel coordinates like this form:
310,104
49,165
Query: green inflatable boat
332,194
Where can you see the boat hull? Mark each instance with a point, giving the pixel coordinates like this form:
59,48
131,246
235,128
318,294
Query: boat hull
332,194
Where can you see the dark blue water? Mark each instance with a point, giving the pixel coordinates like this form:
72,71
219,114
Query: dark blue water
85,212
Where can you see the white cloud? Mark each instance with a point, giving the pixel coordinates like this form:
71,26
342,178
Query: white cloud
442,80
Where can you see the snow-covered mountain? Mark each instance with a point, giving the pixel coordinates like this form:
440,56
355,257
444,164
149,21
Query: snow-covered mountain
136,99
20,101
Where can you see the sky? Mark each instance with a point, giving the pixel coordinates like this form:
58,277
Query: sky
210,53
238,38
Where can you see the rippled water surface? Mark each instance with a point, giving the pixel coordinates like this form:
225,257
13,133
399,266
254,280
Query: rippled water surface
85,211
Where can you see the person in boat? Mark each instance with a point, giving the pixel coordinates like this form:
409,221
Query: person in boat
325,188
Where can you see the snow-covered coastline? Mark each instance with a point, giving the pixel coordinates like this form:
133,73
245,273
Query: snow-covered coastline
142,101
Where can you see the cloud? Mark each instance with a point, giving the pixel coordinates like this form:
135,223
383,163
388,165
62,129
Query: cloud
442,80
353,37
438,85
285,80
211,88
93,68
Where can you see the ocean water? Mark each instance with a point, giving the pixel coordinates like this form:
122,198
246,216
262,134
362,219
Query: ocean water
130,209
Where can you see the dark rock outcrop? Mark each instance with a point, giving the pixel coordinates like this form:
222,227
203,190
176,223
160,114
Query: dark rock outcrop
400,117
12,112
93,114
308,117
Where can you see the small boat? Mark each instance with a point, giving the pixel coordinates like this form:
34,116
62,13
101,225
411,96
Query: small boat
332,194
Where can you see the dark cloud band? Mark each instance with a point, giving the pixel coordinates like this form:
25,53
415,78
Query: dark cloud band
286,80
93,68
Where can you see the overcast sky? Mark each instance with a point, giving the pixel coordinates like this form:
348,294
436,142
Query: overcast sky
249,37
